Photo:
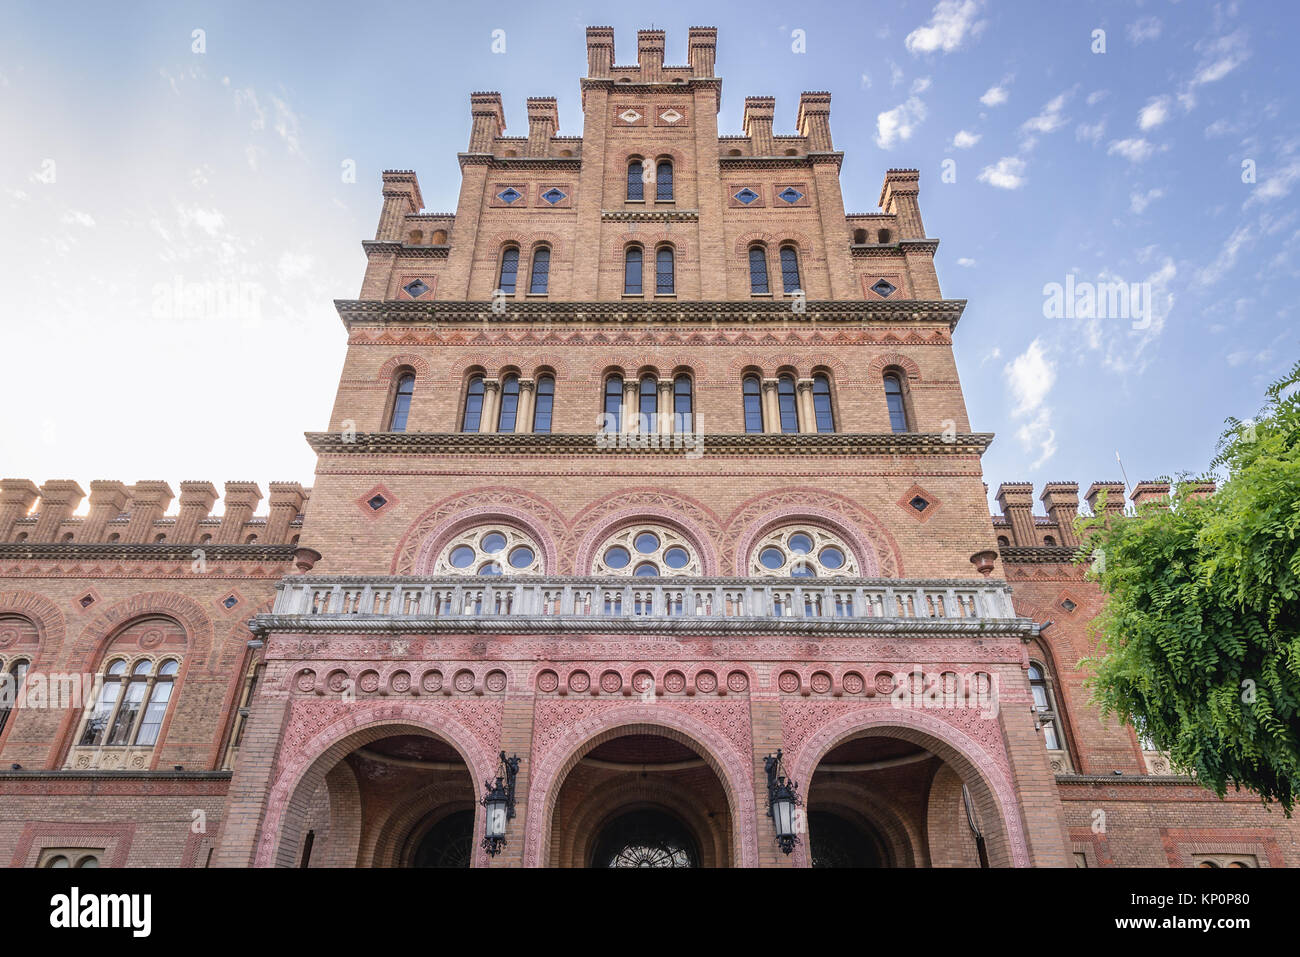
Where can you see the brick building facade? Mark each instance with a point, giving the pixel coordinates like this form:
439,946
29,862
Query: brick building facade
646,462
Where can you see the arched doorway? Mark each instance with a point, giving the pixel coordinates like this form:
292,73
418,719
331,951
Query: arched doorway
447,843
836,841
645,838
641,799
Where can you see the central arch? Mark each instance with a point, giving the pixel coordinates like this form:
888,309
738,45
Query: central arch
732,770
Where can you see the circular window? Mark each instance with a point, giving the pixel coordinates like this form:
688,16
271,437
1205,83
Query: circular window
802,551
490,550
658,550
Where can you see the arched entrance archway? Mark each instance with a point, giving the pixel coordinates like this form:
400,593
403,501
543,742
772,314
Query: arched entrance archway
645,838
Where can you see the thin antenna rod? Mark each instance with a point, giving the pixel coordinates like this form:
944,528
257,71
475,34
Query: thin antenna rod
1127,487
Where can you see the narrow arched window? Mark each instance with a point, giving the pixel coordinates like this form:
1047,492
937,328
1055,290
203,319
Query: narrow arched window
665,283
1045,707
159,695
473,405
635,181
402,402
785,400
537,285
758,271
683,404
789,269
821,393
883,236
509,403
648,405
614,404
752,392
896,403
632,271
664,182
544,405
509,270
11,686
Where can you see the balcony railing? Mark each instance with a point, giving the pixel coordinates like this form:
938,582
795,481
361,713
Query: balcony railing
713,599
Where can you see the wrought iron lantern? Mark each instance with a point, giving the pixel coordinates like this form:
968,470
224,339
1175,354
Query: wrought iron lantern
782,801
499,803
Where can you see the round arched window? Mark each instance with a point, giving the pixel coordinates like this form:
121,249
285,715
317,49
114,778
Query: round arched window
802,551
646,551
490,550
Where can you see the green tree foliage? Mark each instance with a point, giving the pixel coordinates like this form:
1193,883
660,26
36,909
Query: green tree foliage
1199,642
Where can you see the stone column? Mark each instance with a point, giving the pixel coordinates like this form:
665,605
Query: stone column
771,407
804,405
665,407
524,417
631,405
487,422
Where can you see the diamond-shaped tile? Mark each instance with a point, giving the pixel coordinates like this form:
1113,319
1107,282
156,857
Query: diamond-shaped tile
884,288
790,195
746,196
416,288
629,116
376,502
509,194
670,116
919,503
553,195
1069,605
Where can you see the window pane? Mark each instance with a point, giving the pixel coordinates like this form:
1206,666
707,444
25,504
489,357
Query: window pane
98,720
635,183
614,403
544,404
894,400
509,404
509,269
822,404
789,269
402,403
785,400
682,403
757,270
753,404
473,405
632,272
664,271
541,270
649,407
127,713
153,713
1050,737
664,181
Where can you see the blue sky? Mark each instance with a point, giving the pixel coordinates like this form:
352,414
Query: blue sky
132,164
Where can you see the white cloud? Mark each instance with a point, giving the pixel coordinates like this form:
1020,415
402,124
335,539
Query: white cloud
1090,132
1133,150
1154,113
209,220
78,218
1147,28
1006,173
995,96
897,125
951,23
1096,96
1276,186
1220,57
1050,119
1030,377
1138,202
920,85
964,139
1227,258
866,81
1038,434
966,261
895,74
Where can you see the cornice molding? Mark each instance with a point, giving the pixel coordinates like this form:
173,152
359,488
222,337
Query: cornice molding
405,251
461,443
729,163
851,311
649,215
148,551
1038,554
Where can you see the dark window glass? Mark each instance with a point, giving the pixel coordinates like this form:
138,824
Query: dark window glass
894,399
10,689
758,270
664,270
683,408
126,714
509,403
753,394
509,269
402,403
789,269
632,271
635,181
785,402
664,181
544,405
649,407
97,723
614,403
153,713
541,270
473,405
822,404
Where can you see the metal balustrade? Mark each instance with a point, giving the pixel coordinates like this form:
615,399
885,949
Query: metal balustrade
704,598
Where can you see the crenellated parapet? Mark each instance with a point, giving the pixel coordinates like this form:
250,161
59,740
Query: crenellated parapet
1018,528
117,513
